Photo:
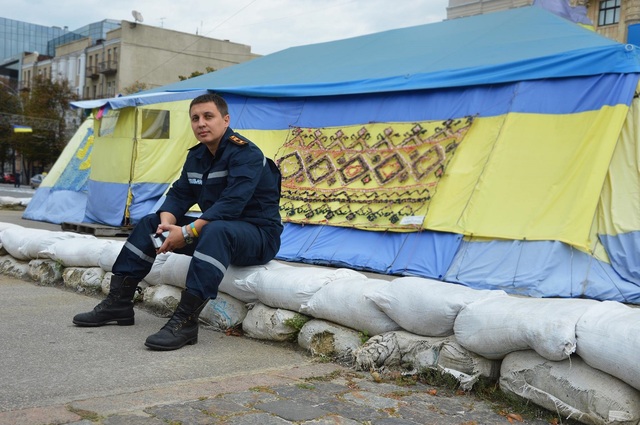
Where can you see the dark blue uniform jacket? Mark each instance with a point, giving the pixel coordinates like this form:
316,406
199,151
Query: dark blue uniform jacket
238,183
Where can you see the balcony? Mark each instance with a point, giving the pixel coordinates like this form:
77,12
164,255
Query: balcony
92,72
108,67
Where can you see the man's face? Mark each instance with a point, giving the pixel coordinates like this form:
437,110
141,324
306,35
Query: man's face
207,124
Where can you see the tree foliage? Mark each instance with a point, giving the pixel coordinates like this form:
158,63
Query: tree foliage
43,108
10,109
196,73
136,87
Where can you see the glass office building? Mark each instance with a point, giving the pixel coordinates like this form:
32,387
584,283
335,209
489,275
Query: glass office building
96,31
17,37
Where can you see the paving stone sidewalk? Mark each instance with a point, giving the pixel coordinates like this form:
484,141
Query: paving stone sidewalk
343,397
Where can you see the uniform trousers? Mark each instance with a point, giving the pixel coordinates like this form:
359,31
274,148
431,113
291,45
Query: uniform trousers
220,243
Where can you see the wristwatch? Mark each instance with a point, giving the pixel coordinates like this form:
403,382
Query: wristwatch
187,237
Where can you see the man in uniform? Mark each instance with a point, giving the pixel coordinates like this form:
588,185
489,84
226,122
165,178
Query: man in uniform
238,191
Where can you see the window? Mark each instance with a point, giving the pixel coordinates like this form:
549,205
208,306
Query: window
108,123
609,12
155,124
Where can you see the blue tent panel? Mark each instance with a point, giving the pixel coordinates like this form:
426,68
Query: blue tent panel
105,203
56,206
146,196
557,96
538,269
624,254
426,253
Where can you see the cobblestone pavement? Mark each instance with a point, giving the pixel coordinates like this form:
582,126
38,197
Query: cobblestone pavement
342,396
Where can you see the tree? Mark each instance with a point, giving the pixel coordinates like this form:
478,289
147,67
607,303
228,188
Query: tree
135,87
10,110
196,73
44,110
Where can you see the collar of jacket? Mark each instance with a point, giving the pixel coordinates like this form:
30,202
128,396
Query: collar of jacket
200,149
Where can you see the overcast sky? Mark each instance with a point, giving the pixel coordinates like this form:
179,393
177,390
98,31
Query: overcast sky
266,25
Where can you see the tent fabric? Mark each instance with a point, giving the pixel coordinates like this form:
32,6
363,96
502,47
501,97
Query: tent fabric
62,195
137,99
134,171
543,187
427,254
519,44
491,188
538,269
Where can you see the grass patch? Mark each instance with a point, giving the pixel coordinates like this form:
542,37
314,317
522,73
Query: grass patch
325,378
296,323
262,389
84,414
306,386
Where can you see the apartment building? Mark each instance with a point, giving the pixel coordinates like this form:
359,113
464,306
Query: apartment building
615,19
130,55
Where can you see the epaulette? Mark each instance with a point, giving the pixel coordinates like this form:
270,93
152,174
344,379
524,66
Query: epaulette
238,140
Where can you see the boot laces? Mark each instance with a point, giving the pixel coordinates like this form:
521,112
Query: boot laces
179,318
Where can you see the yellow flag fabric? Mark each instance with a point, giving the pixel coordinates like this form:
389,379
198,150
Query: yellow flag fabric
113,144
619,207
529,176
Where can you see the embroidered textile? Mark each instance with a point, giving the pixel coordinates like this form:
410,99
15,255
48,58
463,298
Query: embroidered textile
375,177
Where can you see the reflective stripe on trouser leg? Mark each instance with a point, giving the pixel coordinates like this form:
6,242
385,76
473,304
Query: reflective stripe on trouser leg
138,254
222,243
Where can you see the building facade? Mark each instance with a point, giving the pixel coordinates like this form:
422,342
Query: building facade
615,19
129,56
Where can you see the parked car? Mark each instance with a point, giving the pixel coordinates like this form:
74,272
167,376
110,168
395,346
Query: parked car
8,178
35,181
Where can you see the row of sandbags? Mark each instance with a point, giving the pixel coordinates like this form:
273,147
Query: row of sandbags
491,324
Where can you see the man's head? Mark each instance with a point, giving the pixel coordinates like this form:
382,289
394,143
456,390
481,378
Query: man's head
209,116
211,97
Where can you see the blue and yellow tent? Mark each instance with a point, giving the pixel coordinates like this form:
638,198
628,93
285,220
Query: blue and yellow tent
495,151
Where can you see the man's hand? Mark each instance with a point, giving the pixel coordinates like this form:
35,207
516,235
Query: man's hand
174,241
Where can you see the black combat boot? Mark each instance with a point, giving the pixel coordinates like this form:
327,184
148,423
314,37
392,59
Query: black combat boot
182,328
117,307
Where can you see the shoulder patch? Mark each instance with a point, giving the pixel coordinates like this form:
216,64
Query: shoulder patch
237,140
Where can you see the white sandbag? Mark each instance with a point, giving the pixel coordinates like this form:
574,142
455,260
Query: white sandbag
13,238
4,226
425,306
327,339
109,254
224,312
174,270
163,299
394,349
12,267
84,279
496,326
290,287
342,301
45,272
609,339
76,252
453,356
268,323
570,387
234,281
138,296
38,247
154,277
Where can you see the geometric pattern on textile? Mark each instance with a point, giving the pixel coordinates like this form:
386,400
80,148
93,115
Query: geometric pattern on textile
372,177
